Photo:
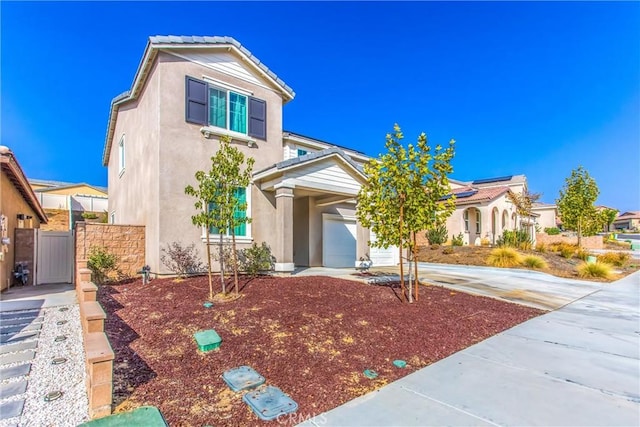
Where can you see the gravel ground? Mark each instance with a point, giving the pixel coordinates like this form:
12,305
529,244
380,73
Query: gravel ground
71,408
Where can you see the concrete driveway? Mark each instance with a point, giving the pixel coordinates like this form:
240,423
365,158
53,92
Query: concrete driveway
576,366
530,288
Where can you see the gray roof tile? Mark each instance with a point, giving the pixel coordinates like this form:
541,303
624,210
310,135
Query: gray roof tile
313,156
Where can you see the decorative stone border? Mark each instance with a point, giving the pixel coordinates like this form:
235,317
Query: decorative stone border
98,352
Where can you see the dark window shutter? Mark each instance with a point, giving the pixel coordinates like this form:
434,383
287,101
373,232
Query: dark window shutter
257,118
196,101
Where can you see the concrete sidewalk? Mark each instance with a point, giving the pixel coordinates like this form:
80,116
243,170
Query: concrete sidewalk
579,365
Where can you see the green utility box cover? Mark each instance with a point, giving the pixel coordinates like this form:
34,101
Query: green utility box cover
207,340
148,416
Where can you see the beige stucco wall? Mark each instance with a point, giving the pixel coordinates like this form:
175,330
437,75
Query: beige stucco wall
183,150
134,195
547,218
11,204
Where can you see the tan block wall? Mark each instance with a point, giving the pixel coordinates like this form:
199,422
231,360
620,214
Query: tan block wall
591,242
127,242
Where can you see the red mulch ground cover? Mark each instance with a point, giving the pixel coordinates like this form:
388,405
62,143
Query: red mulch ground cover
310,336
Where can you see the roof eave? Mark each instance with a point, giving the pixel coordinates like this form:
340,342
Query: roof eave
25,189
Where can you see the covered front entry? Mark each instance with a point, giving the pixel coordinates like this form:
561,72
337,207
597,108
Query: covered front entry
315,207
339,240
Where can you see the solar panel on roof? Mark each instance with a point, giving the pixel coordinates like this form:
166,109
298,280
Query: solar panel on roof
466,194
488,180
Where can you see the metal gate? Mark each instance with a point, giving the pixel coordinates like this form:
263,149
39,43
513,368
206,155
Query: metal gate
54,262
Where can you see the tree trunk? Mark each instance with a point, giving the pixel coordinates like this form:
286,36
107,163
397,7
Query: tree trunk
224,289
235,260
402,288
415,261
209,269
579,233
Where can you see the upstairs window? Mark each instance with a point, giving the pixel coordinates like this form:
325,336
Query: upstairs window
301,152
209,105
121,158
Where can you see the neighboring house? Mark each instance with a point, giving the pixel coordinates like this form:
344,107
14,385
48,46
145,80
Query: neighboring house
548,215
483,210
66,203
186,94
19,208
628,221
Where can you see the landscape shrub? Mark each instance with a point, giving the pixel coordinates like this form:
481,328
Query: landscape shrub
552,231
525,246
514,239
434,247
504,257
532,261
257,259
597,269
582,254
541,247
89,215
485,242
448,250
102,263
180,260
617,259
567,251
437,235
457,240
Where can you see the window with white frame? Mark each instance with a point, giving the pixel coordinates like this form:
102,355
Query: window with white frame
466,220
240,211
212,104
478,221
121,156
112,219
302,152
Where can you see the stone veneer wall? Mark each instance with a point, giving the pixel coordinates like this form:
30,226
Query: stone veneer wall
591,242
125,241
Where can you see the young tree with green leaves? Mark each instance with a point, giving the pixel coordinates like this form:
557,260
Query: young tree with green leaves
403,195
523,205
608,217
221,200
576,204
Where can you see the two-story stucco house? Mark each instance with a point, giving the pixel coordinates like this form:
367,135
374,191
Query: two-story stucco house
186,94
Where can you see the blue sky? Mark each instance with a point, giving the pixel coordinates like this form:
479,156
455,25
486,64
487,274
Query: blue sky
524,88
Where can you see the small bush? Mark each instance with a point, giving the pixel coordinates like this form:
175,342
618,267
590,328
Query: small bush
552,231
457,240
448,250
101,263
566,251
541,247
513,239
437,235
504,257
532,261
525,246
257,259
485,242
597,269
617,259
434,247
582,254
181,260
89,215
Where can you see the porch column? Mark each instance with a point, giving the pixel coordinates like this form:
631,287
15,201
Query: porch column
284,228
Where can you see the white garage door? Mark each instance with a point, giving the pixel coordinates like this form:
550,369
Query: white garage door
383,257
338,242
